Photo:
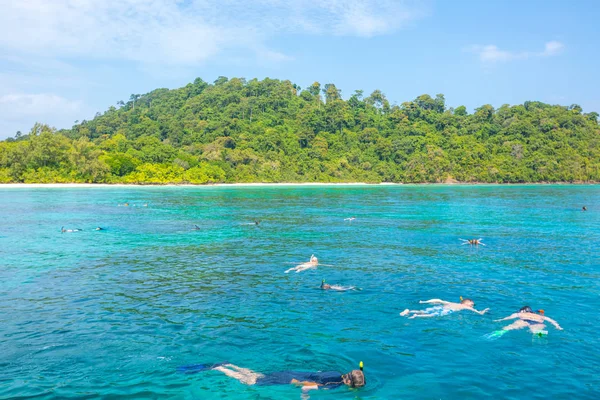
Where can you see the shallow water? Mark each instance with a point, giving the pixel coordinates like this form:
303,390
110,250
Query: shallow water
113,313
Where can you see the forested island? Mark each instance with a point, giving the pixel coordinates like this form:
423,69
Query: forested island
274,131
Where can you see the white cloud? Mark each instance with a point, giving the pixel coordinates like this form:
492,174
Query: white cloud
17,106
182,32
553,48
18,111
492,54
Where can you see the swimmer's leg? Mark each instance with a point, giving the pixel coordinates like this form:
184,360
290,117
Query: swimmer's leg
423,315
537,328
516,326
243,375
512,327
407,311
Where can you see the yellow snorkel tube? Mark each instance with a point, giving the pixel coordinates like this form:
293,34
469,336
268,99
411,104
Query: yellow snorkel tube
360,365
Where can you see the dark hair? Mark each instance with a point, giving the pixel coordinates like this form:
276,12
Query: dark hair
526,309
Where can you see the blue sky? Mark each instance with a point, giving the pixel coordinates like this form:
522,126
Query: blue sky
65,60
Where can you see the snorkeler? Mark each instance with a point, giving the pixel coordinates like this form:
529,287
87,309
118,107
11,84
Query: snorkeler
99,229
473,242
196,228
445,308
527,319
63,230
314,261
584,208
308,380
326,286
350,219
257,222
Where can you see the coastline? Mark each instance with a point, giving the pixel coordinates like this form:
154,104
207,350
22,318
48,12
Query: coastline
279,184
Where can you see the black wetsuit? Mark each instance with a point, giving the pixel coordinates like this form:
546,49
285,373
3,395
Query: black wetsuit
331,379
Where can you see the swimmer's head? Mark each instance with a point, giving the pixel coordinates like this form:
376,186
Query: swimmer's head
467,302
354,378
525,309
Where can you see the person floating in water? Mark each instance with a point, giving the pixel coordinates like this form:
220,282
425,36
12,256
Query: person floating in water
444,308
307,380
63,230
99,229
527,318
473,242
257,222
350,219
196,228
326,286
314,261
584,208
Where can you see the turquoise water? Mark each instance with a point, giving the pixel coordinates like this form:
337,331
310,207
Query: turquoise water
113,313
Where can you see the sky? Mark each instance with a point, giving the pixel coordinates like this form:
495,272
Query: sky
63,61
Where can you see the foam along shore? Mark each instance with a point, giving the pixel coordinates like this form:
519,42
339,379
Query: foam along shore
159,185
98,185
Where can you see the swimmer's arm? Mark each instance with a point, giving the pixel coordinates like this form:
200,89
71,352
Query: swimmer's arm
434,301
553,322
478,312
513,316
306,385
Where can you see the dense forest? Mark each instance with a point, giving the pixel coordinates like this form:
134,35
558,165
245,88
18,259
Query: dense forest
273,131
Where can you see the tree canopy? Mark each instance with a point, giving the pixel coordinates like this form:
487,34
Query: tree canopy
273,131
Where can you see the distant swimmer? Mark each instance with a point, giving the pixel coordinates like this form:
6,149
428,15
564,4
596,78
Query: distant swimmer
473,242
350,219
314,261
444,308
99,229
584,208
196,228
306,380
124,204
63,230
527,318
256,222
326,286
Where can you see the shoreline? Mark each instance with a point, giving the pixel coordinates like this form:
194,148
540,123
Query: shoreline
291,184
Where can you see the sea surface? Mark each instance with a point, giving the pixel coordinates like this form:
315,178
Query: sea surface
111,314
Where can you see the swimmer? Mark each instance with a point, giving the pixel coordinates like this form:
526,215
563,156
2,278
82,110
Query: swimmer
312,264
473,242
99,229
584,208
306,380
527,319
444,308
350,219
63,230
326,286
196,228
256,222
